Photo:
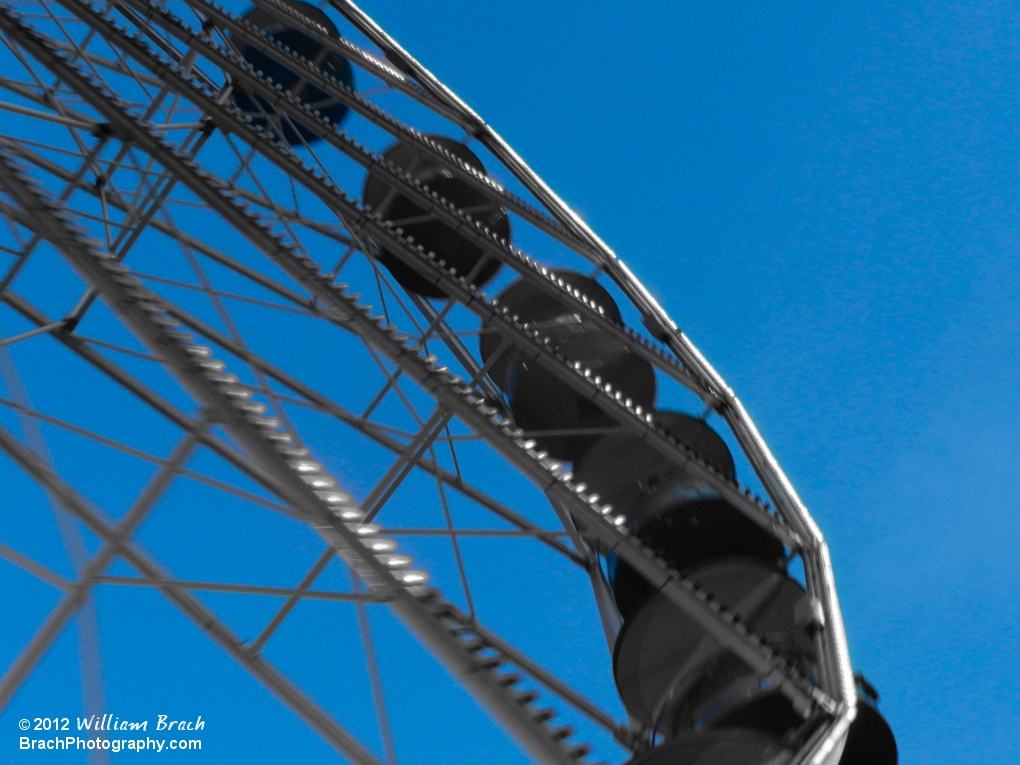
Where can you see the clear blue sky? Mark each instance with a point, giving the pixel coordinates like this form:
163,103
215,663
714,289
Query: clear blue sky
826,200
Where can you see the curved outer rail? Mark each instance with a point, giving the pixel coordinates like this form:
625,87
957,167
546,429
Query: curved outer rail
818,569
837,681
598,519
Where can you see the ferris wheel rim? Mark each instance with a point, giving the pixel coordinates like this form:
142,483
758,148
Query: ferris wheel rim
801,532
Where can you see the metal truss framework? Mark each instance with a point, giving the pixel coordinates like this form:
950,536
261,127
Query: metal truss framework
144,145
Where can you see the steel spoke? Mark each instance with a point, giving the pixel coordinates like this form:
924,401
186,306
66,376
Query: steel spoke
166,143
242,589
188,605
78,592
292,600
37,570
385,729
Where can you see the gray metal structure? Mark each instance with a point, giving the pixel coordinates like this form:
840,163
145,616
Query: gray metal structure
120,139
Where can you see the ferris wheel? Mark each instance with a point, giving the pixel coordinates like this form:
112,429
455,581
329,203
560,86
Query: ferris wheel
273,299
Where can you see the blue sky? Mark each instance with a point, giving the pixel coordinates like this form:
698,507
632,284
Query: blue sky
825,199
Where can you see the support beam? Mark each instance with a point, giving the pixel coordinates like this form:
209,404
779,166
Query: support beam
243,589
36,569
78,592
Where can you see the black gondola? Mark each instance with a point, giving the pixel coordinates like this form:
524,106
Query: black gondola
538,399
261,111
427,231
669,509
